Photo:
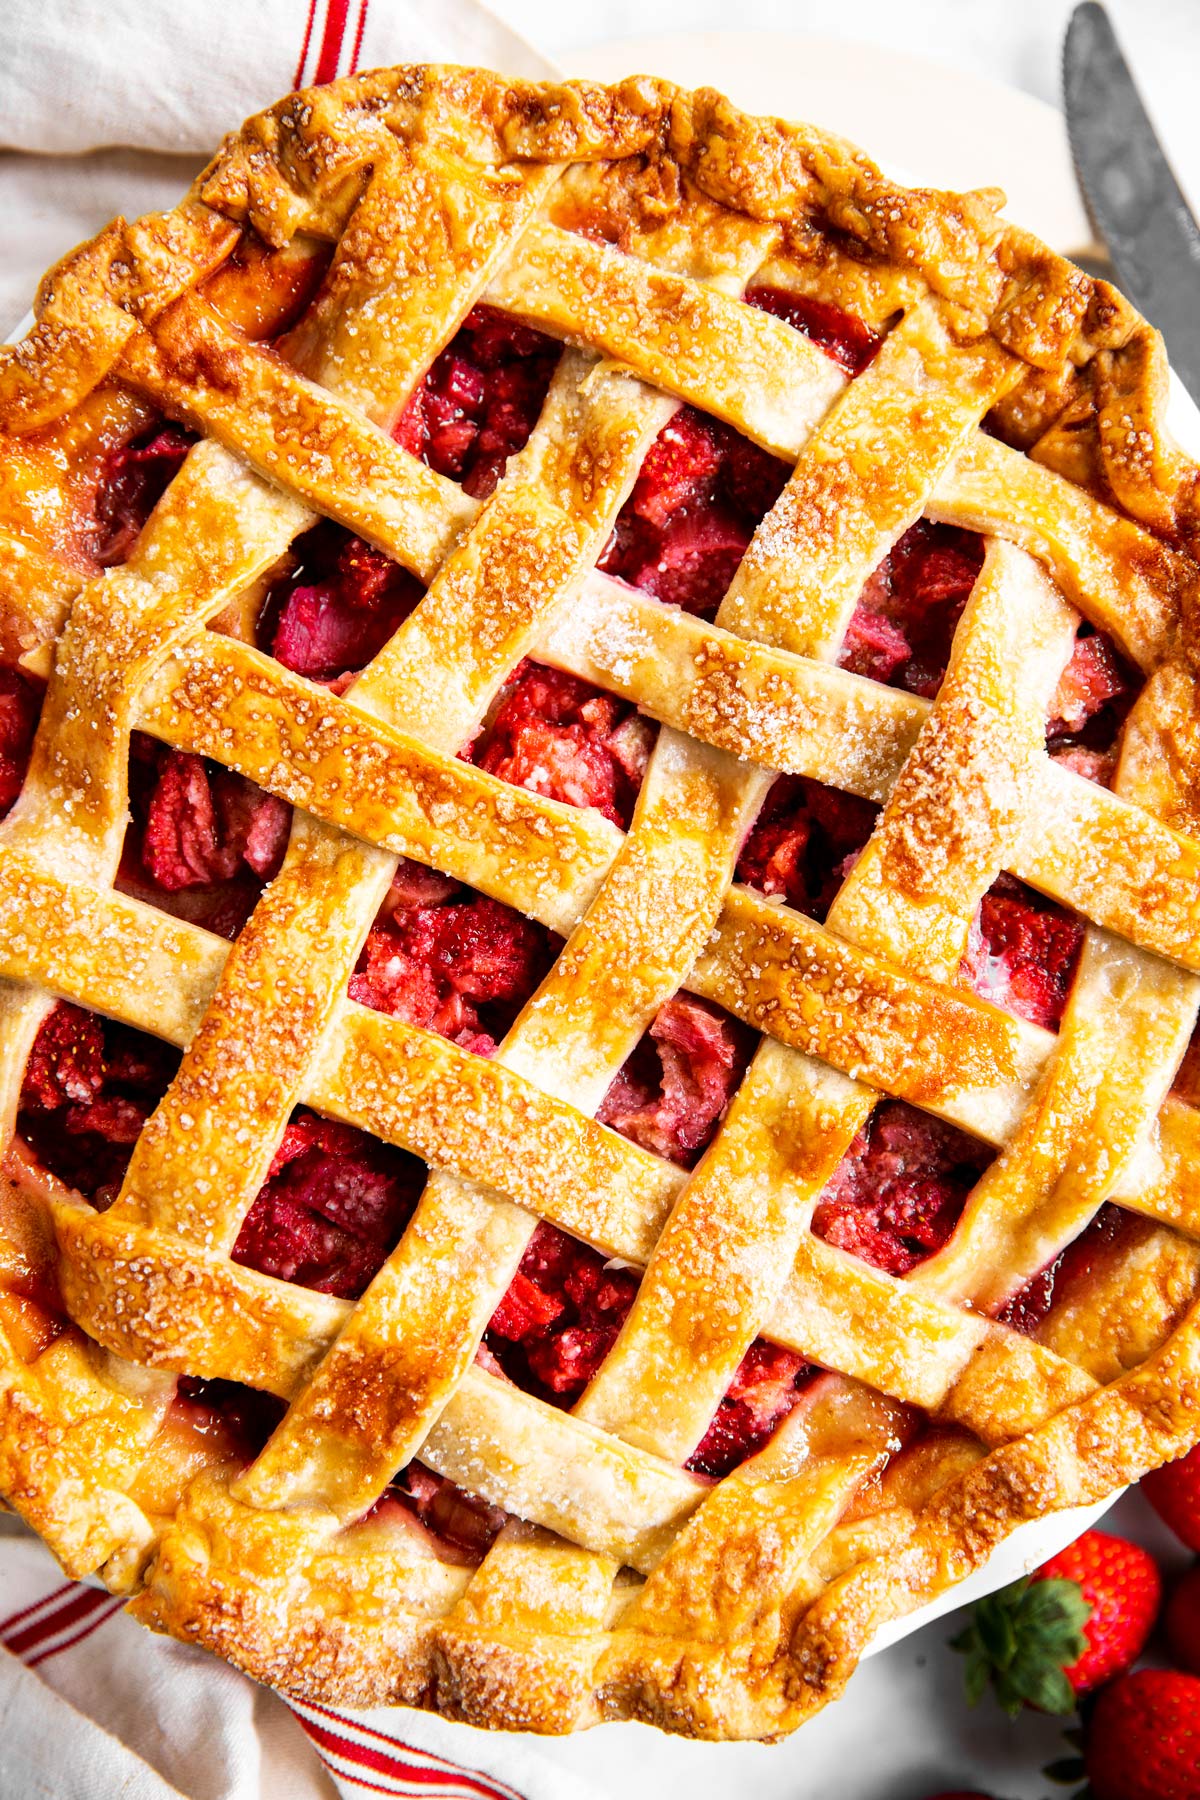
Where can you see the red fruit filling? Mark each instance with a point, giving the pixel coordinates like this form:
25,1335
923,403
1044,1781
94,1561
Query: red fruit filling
450,960
1108,1232
89,1087
560,1316
898,1192
202,841
703,489
134,479
673,1091
20,708
850,343
804,842
334,1204
767,1385
1022,951
902,629
700,494
480,400
1089,708
564,738
334,612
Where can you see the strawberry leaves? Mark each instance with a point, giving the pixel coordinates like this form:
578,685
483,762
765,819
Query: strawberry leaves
1020,1640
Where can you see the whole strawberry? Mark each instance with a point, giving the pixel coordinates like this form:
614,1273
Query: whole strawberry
1121,1583
1182,1620
1079,1620
1174,1493
1143,1739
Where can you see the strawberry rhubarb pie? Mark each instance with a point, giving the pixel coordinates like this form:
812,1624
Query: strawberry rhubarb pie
600,789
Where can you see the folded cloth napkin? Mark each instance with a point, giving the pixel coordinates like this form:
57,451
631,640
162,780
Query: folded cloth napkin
110,106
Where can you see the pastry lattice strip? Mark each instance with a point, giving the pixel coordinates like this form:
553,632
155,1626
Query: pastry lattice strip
392,515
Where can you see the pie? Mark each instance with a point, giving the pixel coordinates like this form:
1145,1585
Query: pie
599,903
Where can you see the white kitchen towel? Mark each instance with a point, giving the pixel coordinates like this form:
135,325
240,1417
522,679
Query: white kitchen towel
109,106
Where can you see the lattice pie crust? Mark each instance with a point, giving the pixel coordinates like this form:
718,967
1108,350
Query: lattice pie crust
624,1586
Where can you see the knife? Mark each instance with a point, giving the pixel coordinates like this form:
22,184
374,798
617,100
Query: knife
1134,200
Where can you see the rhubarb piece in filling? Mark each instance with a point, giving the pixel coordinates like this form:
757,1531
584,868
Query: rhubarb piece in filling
562,737
675,1088
450,960
480,399
899,1191
202,841
337,606
1090,706
1022,952
134,478
462,1526
903,627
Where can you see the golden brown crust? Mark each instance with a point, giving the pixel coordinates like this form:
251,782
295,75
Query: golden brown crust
760,1593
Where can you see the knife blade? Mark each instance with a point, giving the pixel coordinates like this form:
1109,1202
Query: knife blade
1134,199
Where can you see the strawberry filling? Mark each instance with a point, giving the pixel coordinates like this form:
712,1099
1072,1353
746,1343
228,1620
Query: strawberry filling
1022,949
768,1382
20,708
560,1318
90,1084
903,626
703,489
564,738
202,841
675,1088
450,960
898,1192
133,481
850,343
335,1200
337,608
1022,952
701,492
334,1204
804,843
1090,706
480,399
